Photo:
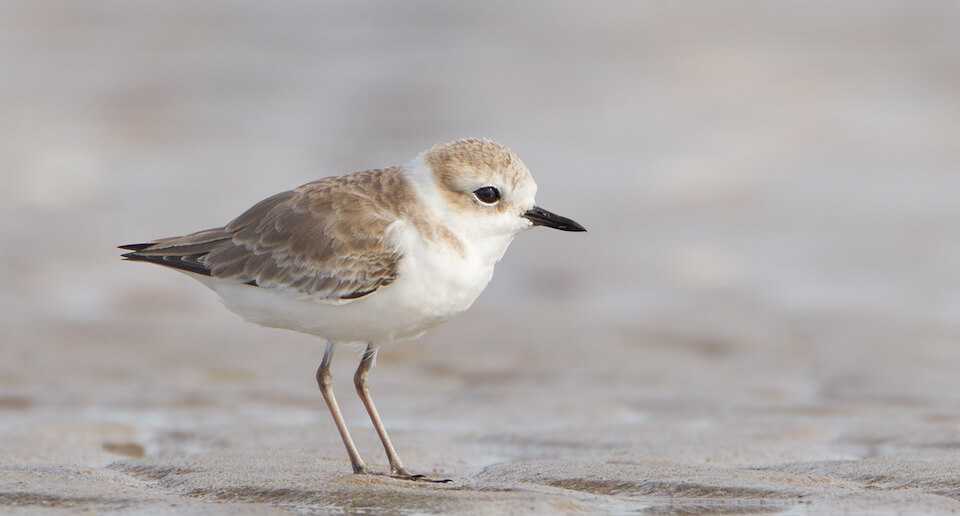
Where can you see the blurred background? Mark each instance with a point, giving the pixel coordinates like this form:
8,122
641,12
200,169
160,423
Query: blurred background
770,277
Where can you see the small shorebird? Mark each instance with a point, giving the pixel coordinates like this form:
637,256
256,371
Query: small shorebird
373,257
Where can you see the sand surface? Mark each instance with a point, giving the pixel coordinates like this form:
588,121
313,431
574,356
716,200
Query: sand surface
762,319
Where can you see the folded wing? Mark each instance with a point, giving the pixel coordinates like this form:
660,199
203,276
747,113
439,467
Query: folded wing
326,239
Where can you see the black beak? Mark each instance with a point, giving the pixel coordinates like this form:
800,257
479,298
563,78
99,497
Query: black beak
542,217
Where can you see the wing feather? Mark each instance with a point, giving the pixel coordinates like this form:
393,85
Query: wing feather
326,239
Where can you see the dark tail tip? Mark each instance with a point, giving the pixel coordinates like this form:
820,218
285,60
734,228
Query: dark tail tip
134,247
137,257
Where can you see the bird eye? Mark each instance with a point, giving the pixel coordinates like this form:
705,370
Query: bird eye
487,195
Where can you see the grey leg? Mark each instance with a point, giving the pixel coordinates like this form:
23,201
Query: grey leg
325,382
360,381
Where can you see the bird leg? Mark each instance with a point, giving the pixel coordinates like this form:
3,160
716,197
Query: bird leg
325,382
360,381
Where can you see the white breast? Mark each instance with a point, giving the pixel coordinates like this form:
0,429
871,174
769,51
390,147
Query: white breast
440,281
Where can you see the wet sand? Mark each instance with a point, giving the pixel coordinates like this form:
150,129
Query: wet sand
762,318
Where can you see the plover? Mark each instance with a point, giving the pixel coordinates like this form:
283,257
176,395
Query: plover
373,257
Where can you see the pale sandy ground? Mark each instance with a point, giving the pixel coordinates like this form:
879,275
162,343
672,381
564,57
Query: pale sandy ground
763,318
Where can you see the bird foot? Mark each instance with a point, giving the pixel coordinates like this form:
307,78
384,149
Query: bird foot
402,474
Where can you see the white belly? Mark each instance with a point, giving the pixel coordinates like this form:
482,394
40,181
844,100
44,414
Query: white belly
433,284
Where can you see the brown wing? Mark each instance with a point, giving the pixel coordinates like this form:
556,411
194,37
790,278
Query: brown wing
326,238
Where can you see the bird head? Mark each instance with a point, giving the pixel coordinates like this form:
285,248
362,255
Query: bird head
485,188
